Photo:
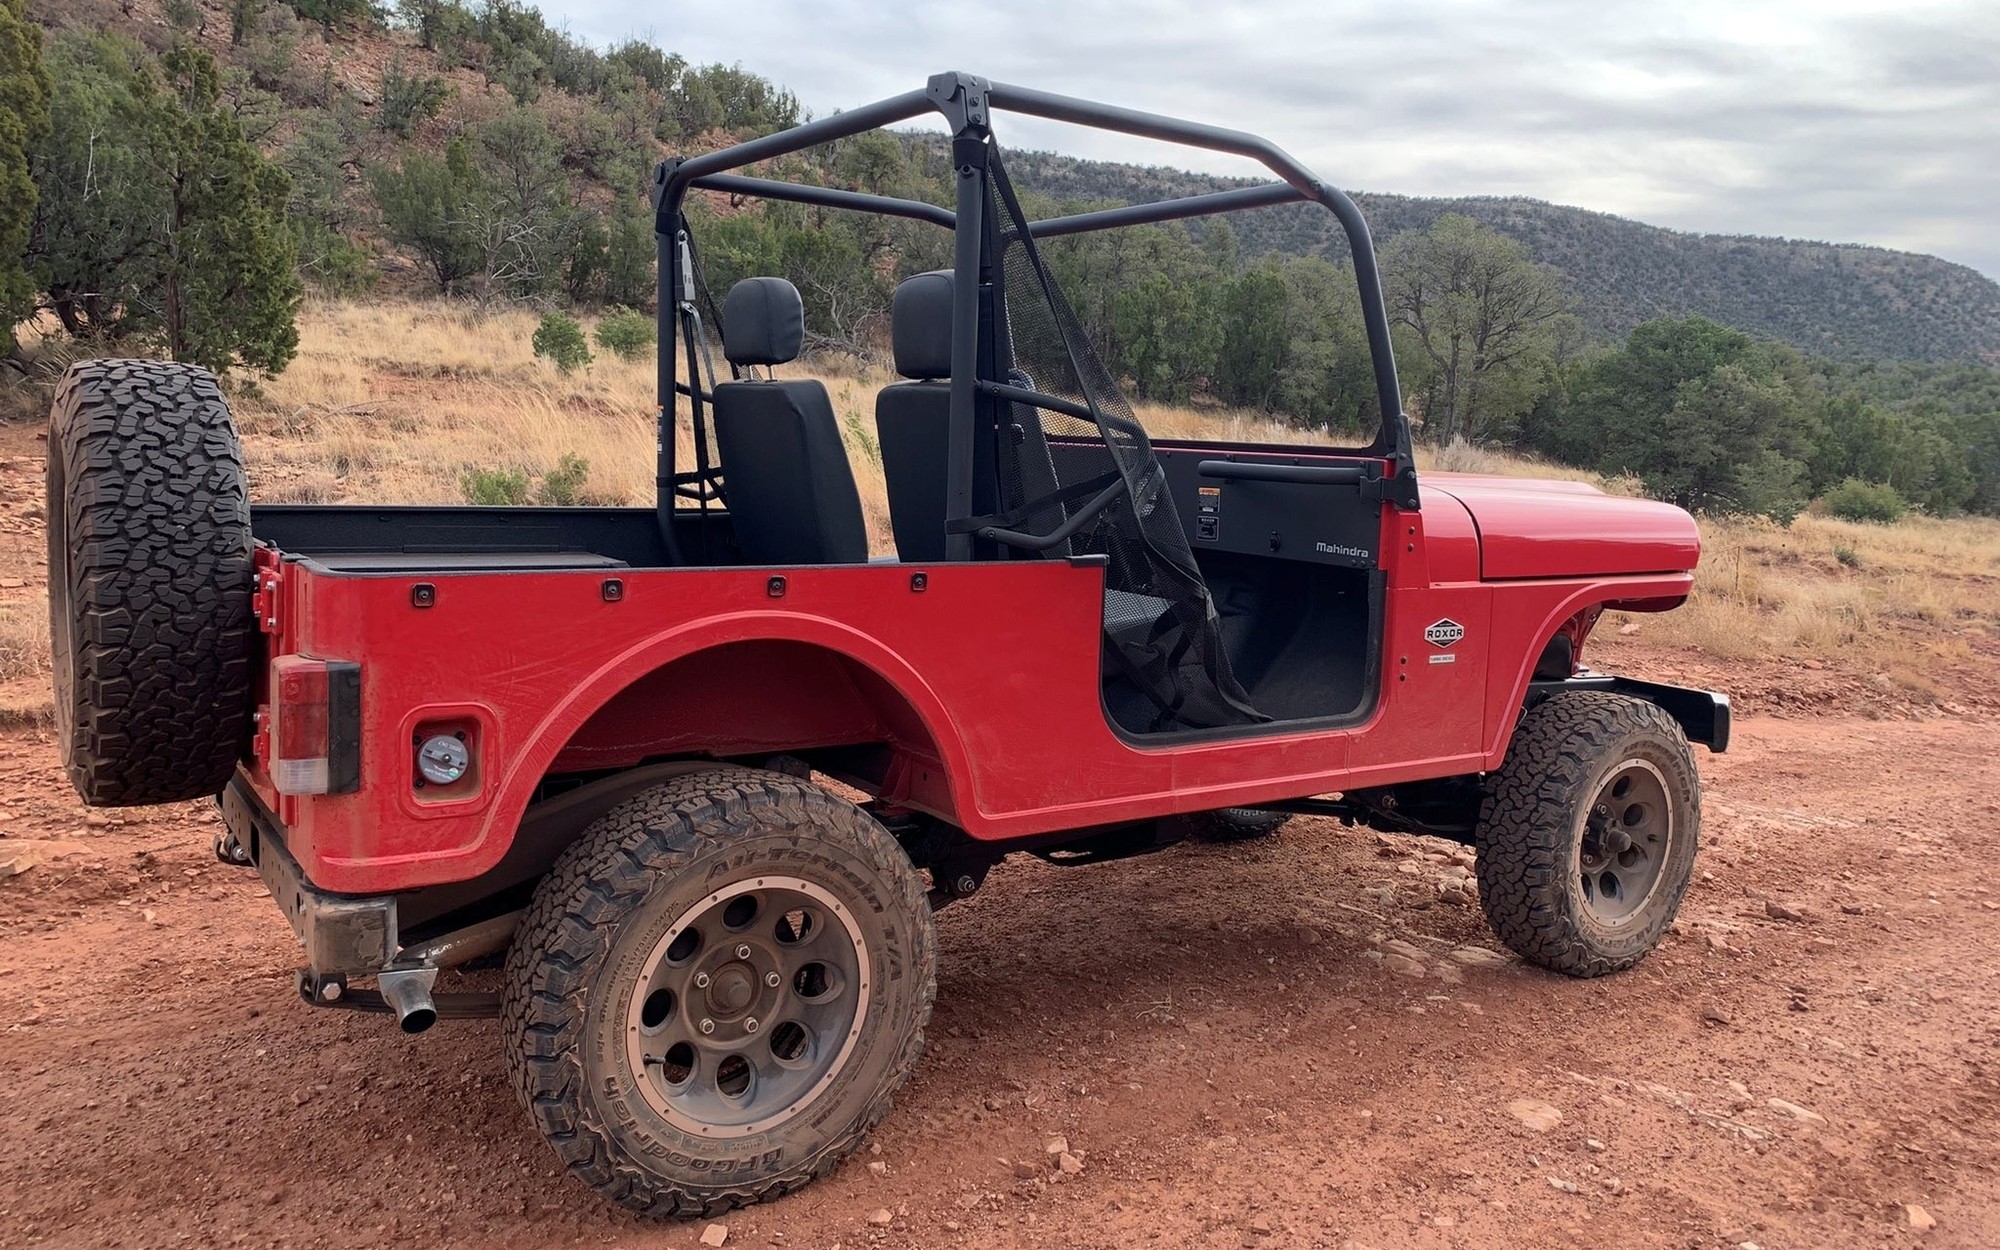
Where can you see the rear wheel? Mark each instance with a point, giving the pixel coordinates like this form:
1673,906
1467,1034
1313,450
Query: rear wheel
718,990
150,576
1586,840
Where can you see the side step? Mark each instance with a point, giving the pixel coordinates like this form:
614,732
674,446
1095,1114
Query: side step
1115,842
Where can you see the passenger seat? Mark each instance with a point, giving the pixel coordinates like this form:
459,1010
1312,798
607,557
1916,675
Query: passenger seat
786,479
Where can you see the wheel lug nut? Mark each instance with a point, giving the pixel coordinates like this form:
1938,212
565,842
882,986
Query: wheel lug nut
772,979
743,951
750,1024
701,980
707,1025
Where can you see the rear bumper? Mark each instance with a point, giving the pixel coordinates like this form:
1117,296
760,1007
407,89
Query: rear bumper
341,933
1703,715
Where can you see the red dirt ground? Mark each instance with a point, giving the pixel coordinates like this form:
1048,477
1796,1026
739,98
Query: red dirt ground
1230,1036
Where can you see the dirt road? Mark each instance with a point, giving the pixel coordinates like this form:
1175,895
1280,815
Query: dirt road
1226,1034
1297,1043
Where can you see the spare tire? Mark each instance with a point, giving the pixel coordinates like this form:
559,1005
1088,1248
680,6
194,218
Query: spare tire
150,579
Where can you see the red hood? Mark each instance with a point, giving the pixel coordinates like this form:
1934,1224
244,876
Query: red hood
1532,528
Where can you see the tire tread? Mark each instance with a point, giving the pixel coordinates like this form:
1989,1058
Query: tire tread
570,925
1524,836
152,534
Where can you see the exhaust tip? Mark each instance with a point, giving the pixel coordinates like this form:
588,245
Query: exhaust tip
408,993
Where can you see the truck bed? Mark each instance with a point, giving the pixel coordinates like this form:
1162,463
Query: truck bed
365,539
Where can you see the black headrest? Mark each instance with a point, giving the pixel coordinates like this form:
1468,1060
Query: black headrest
763,322
920,325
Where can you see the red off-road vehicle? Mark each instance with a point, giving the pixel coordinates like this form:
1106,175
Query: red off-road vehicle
597,739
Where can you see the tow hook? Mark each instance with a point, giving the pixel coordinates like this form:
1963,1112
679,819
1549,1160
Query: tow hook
328,990
230,851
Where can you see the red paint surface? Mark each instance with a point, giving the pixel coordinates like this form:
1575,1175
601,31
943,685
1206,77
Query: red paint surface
1532,529
984,686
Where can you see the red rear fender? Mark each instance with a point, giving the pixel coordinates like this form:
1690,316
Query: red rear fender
763,697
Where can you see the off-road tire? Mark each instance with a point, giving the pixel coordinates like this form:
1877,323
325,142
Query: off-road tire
150,578
1531,828
570,972
1234,824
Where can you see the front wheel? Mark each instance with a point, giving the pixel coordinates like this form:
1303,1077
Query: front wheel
717,991
1586,839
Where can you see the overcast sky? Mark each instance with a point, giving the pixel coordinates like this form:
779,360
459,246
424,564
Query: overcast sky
1869,123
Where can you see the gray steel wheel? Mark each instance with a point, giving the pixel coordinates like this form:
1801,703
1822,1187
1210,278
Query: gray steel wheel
1626,840
747,1007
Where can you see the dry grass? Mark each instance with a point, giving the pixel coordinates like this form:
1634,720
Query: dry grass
392,401
1841,590
1459,456
24,639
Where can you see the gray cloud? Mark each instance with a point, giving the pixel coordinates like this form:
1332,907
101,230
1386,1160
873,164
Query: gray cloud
1840,120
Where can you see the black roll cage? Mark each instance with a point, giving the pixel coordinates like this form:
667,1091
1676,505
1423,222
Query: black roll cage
966,102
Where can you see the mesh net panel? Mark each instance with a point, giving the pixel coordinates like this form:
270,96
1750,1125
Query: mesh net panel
1163,645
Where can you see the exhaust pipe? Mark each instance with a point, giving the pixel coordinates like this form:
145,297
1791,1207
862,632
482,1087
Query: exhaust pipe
408,993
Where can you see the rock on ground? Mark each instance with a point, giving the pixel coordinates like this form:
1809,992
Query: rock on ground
1539,1116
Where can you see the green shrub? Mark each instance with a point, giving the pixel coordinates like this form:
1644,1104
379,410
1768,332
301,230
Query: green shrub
1856,500
560,338
271,45
626,334
1847,556
494,486
562,486
1772,485
360,14
184,15
409,99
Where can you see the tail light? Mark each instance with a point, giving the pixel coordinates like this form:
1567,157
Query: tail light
315,725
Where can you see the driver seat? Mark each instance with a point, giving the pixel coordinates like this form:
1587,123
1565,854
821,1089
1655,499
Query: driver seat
913,429
786,480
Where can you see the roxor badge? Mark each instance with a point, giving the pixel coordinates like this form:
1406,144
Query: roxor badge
1444,633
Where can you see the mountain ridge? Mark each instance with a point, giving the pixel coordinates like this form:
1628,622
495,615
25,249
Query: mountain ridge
1848,301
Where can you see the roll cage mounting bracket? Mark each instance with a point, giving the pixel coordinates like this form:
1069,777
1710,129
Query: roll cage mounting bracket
962,100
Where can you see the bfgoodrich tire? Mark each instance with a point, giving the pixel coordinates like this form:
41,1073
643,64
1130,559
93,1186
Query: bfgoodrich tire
149,582
1586,839
718,990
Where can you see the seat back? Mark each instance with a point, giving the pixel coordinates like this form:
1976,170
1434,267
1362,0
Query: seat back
786,479
913,429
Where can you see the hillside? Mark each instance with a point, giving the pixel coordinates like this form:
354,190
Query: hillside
320,95
1842,300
